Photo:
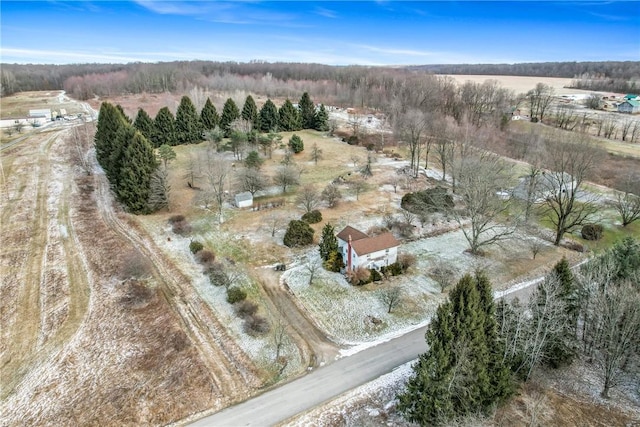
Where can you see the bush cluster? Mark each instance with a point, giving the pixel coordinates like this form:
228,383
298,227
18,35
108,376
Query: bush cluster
179,225
299,233
235,294
195,246
592,231
313,217
430,200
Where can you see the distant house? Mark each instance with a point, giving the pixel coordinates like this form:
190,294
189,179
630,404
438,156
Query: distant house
545,185
629,107
359,250
244,200
631,97
42,113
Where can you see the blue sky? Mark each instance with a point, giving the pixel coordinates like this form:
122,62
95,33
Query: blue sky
335,33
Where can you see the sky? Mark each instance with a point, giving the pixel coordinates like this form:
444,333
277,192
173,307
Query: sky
326,32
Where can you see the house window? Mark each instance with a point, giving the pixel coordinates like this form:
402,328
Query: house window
386,251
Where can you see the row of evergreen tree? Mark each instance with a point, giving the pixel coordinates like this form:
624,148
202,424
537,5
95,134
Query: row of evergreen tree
188,126
127,157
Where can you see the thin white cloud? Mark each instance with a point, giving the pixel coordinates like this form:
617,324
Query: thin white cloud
325,12
395,51
238,12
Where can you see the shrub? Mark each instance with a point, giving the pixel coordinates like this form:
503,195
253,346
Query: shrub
392,269
295,144
375,275
195,246
592,231
405,261
217,275
299,233
135,265
312,217
181,227
206,257
235,295
353,140
245,308
255,325
430,200
334,262
358,277
176,218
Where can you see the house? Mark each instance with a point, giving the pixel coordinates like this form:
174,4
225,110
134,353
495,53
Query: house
631,97
244,200
359,250
545,185
630,107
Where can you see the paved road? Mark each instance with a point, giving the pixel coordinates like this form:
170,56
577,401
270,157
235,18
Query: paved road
321,385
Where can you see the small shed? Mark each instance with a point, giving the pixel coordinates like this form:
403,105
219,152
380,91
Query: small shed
630,107
244,200
631,97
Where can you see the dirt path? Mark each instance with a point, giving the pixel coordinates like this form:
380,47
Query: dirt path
315,347
231,368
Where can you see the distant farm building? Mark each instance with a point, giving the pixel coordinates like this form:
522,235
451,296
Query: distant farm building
244,200
631,97
359,250
629,107
42,113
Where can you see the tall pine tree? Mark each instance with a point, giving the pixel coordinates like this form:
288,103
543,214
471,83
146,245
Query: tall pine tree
188,127
307,111
250,111
138,166
230,112
269,117
110,122
288,117
462,371
164,128
321,119
209,116
328,242
144,124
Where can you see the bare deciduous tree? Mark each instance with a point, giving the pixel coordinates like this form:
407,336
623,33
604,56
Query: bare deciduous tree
252,180
539,99
275,222
564,203
308,198
160,189
316,153
444,274
312,266
331,194
285,177
411,128
391,298
480,177
627,203
217,171
358,185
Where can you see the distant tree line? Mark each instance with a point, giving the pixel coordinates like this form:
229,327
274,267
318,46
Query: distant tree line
352,85
625,70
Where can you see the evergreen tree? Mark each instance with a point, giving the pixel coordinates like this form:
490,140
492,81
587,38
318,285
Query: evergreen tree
307,111
295,144
209,116
138,166
229,114
110,121
164,128
123,137
250,111
269,117
188,126
328,242
144,124
253,160
166,154
123,114
462,371
288,117
321,119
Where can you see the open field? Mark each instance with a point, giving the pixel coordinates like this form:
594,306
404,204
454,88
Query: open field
520,84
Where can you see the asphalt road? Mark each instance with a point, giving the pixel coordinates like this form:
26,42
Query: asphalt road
323,384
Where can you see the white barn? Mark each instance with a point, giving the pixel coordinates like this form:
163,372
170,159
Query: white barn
244,200
359,250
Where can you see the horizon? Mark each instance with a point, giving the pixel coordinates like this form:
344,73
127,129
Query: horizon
337,33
